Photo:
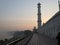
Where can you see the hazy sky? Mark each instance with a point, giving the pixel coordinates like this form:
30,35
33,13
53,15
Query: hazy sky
22,14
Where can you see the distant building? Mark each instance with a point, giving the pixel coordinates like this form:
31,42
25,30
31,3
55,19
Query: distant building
35,30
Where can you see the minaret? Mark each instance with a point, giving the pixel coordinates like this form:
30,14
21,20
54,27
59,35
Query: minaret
59,4
39,16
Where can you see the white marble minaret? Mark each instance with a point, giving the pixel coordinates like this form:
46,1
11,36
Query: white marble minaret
39,16
59,4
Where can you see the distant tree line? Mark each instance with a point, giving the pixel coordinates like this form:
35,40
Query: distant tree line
28,32
16,34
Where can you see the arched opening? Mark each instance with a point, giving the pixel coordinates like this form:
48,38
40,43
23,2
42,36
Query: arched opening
58,38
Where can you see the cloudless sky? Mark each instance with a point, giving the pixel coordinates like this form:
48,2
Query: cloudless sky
22,14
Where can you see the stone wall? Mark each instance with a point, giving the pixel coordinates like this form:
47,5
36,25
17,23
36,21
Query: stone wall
52,27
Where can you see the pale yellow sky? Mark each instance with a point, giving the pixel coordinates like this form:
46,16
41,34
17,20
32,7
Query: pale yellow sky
22,14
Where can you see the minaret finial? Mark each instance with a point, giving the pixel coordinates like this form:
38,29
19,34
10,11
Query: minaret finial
39,4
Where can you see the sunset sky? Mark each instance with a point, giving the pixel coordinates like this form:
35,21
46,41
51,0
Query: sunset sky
22,14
